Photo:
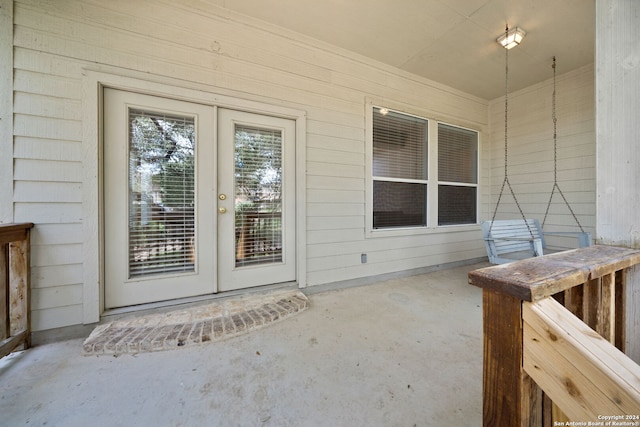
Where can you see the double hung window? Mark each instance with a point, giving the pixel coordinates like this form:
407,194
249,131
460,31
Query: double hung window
399,169
413,176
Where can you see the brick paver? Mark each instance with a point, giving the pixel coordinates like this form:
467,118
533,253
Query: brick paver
195,326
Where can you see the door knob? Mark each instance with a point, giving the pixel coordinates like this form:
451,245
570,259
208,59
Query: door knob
222,197
222,210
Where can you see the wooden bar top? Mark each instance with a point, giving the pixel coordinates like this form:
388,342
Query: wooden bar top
14,232
536,278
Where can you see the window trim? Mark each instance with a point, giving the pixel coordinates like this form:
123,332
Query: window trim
432,169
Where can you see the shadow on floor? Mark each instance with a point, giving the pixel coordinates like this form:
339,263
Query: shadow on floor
403,352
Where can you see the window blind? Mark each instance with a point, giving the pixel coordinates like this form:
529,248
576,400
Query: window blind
457,164
457,154
258,193
399,169
161,193
399,145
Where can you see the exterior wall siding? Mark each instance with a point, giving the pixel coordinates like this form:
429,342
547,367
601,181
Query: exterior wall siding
203,46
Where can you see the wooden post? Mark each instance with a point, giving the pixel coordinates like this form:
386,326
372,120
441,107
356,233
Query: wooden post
4,291
585,277
511,397
20,288
15,287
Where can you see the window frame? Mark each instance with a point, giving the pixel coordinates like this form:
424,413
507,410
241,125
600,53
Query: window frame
423,182
433,120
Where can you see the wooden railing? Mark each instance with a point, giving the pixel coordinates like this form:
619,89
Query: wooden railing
15,316
554,337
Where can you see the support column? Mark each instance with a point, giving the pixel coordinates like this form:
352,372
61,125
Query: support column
618,139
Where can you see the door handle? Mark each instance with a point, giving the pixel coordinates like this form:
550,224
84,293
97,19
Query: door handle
222,210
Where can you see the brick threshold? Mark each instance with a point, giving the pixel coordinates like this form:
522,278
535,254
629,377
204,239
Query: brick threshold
194,326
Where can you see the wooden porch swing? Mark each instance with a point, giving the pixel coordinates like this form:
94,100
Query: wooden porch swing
514,239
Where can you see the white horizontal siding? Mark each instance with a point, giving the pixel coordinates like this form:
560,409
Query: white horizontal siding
56,317
54,234
228,55
58,296
6,111
50,191
49,255
47,149
56,275
47,170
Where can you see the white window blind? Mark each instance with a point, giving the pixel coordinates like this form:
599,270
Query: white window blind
457,175
161,193
399,169
258,195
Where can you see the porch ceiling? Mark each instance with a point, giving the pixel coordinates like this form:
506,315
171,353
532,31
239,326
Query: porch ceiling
448,41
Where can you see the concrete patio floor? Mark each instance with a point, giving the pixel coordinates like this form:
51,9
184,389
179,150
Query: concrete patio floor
402,352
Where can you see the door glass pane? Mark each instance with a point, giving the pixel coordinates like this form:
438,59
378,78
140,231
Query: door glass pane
258,195
161,193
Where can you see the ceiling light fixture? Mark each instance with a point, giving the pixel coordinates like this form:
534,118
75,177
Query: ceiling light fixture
511,37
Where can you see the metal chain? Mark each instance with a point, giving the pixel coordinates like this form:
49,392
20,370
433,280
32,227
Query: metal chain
555,156
554,118
506,147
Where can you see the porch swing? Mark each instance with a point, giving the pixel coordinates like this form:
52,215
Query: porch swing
515,239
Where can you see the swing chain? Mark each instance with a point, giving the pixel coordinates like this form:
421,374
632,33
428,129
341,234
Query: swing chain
555,155
555,125
506,145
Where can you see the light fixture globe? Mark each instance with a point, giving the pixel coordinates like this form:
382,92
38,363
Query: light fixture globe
511,38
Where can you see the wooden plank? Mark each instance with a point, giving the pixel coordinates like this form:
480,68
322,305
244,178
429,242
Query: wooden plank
606,322
592,303
583,374
632,313
574,300
4,290
537,278
12,232
509,397
10,344
20,288
621,310
547,411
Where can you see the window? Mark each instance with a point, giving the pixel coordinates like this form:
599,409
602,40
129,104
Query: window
417,182
399,169
457,175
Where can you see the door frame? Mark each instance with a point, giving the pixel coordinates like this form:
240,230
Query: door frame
94,81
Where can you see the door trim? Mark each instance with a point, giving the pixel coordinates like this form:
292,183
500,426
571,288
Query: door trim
95,78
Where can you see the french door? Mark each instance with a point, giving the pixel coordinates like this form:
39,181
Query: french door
196,200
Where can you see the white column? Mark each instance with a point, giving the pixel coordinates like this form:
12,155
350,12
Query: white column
618,140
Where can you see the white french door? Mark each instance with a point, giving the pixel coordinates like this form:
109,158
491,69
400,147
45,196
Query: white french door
256,200
194,204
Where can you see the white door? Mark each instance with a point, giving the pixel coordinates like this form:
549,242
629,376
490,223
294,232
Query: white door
189,210
256,200
159,209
